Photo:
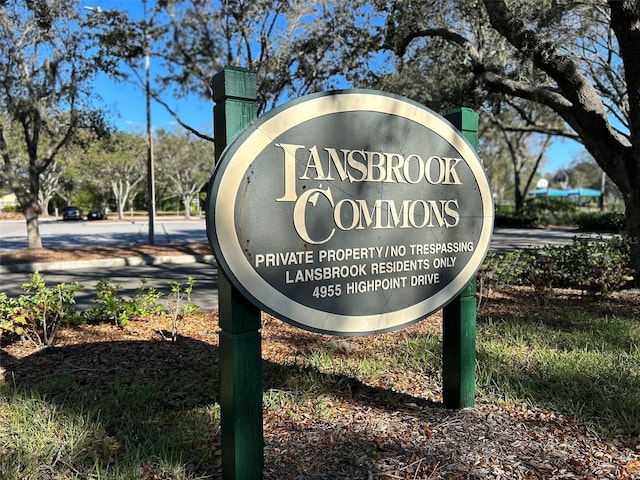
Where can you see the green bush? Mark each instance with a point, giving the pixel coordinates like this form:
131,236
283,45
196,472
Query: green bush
598,267
551,211
112,307
9,324
601,222
38,315
511,220
12,209
179,304
537,212
506,216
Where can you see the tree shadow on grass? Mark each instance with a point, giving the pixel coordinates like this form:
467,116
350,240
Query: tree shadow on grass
154,399
156,403
574,354
551,308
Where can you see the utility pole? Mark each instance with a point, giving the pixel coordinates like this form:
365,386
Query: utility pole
151,192
151,182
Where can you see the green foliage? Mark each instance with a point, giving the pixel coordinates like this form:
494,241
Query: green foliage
537,212
51,106
108,301
506,216
601,222
38,315
592,266
12,209
500,269
113,307
540,212
551,211
184,165
9,324
179,304
145,301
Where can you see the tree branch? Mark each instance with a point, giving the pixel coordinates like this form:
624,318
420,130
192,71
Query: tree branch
175,115
553,99
546,96
582,107
401,47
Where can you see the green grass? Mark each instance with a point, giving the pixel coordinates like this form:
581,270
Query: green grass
586,367
105,423
85,437
91,416
582,366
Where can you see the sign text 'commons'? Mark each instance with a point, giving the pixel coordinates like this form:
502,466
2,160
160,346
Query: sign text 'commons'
350,212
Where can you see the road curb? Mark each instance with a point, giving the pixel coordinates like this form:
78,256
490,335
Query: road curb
106,263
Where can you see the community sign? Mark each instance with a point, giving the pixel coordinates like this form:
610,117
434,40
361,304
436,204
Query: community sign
350,212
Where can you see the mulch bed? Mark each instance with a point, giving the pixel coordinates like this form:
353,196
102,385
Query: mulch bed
94,253
364,437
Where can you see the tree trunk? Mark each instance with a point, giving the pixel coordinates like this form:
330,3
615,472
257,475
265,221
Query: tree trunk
45,206
33,229
517,193
186,202
632,204
121,200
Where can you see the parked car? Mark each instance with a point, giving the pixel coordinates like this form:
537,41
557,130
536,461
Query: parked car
71,213
97,214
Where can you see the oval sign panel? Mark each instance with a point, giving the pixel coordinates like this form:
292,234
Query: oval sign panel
350,212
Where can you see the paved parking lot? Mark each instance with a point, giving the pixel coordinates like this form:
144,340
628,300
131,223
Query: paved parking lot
59,234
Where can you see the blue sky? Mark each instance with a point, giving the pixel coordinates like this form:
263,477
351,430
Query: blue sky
561,153
128,105
127,101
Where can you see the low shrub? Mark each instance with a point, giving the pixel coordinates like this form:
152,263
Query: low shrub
37,315
597,267
507,217
601,222
9,325
111,306
179,304
537,212
551,211
12,209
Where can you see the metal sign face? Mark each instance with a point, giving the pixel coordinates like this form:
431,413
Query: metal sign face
350,212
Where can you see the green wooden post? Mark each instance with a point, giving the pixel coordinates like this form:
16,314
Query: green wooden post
234,91
459,317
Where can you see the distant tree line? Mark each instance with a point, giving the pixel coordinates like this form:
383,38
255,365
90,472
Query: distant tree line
111,174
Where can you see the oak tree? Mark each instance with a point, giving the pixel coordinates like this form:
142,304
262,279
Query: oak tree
184,163
45,93
120,162
577,58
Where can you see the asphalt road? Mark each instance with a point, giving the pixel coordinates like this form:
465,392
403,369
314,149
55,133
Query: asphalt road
205,292
59,234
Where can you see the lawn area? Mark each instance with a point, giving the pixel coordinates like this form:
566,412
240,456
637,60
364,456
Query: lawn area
558,396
